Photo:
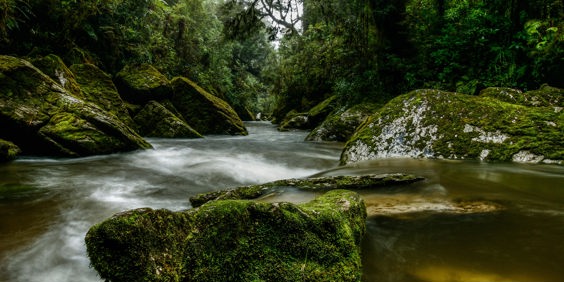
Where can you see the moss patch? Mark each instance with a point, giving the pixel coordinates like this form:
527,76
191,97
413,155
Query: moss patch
234,240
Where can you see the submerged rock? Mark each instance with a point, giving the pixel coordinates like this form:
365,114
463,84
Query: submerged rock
316,183
340,126
155,120
41,117
8,151
234,240
141,84
438,124
204,112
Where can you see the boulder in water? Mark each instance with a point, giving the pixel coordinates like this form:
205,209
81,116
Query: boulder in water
545,96
41,117
204,112
155,120
341,125
311,119
234,240
438,124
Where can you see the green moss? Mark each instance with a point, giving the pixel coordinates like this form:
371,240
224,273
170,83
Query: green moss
98,88
204,112
139,84
155,120
8,151
55,68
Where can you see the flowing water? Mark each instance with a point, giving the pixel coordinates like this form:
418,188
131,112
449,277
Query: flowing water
469,221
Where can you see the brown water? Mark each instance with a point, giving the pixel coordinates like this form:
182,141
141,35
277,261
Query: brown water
469,221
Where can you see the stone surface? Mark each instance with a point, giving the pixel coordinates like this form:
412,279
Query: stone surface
8,151
311,119
204,112
437,124
234,240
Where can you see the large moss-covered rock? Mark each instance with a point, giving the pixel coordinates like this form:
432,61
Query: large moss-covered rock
234,240
204,112
546,96
437,124
99,89
311,119
155,120
41,117
141,84
341,125
8,151
362,182
55,68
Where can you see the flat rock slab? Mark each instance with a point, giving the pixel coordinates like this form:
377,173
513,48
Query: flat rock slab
313,184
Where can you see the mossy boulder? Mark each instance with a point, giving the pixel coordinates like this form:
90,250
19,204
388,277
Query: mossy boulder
55,68
155,120
41,117
314,117
99,89
204,112
545,96
341,125
8,151
234,240
139,84
438,124
362,182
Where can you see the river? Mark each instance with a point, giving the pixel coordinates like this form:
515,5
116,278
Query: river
415,233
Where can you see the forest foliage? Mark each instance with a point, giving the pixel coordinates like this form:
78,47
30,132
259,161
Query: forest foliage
299,52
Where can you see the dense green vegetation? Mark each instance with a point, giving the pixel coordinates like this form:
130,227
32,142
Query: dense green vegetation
291,54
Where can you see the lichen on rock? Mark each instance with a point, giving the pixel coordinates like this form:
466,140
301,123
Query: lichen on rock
234,240
438,124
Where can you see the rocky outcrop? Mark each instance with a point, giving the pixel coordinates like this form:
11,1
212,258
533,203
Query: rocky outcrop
98,88
141,84
437,124
41,117
204,112
341,125
311,119
155,120
234,240
363,182
8,151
